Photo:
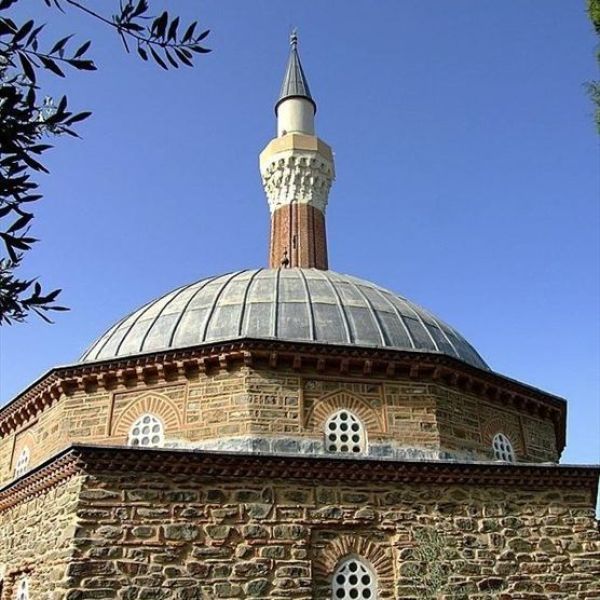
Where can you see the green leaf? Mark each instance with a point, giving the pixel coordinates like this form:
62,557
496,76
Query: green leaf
60,44
51,66
5,210
83,65
142,53
158,59
200,49
27,67
82,49
183,58
173,29
23,31
160,25
132,27
6,3
32,39
62,105
34,164
189,32
5,27
171,59
140,9
78,117
20,223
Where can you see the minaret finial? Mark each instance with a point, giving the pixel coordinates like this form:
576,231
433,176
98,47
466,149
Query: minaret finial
294,38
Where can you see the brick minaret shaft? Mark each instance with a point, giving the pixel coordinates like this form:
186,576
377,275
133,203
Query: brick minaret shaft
297,171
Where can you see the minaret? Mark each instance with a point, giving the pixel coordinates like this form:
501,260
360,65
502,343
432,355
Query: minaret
297,171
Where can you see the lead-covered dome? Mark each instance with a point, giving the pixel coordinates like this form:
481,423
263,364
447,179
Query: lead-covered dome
303,305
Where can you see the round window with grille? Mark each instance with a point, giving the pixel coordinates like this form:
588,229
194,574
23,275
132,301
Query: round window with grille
503,449
22,462
147,431
353,580
345,433
23,590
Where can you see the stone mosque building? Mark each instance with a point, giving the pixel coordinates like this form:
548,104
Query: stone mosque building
290,432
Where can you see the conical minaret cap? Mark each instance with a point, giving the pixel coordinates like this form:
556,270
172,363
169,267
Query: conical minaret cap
295,84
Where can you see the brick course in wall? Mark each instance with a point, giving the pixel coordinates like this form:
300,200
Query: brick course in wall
37,541
270,403
151,524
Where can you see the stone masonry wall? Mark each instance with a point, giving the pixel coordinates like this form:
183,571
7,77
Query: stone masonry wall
36,541
147,536
249,404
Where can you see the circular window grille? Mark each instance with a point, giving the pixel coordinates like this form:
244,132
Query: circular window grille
344,433
147,431
353,579
22,462
503,449
23,590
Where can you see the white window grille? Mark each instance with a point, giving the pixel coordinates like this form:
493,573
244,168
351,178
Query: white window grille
503,449
147,431
23,589
22,462
353,579
345,433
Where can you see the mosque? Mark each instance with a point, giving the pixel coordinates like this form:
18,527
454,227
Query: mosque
290,432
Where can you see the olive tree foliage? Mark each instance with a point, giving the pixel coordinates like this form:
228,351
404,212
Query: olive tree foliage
436,564
593,8
29,120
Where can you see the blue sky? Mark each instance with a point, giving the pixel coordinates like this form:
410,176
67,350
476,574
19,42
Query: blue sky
467,176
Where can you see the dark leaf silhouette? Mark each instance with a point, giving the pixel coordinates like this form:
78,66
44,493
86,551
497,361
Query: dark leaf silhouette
82,49
27,118
27,67
51,66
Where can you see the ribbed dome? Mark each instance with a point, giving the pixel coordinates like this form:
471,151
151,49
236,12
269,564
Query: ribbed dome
307,305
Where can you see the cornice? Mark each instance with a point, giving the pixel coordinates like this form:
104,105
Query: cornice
301,357
91,459
42,478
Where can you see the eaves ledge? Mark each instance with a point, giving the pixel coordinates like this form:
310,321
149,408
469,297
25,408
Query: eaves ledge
115,460
312,357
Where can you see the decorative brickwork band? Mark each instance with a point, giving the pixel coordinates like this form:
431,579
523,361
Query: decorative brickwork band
298,237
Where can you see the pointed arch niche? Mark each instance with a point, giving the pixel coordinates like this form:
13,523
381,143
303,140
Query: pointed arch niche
24,453
150,403
506,427
326,406
332,555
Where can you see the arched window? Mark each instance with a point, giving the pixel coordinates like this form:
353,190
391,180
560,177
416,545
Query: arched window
22,462
147,431
345,433
353,579
23,589
503,449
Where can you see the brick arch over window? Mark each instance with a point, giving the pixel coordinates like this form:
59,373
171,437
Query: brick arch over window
327,405
151,403
378,556
510,430
24,440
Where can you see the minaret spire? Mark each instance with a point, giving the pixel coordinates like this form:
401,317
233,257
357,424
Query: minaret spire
297,172
295,84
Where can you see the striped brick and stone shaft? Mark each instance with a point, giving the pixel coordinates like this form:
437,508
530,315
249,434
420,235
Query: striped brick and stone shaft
297,171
